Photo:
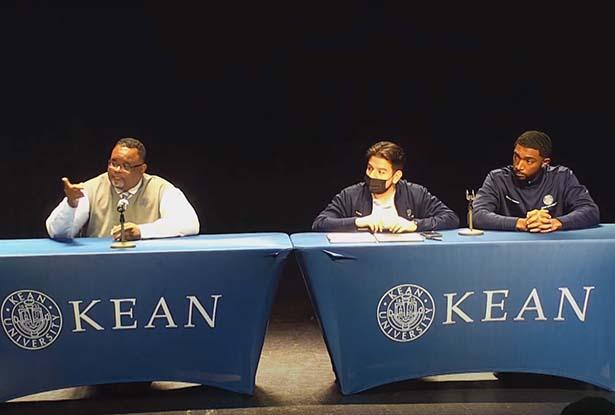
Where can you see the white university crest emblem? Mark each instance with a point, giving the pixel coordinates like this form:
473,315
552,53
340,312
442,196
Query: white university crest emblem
548,200
31,319
405,312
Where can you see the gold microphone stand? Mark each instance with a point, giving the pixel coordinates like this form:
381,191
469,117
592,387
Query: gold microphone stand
470,231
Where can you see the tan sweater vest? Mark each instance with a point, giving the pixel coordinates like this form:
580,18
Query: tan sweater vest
144,206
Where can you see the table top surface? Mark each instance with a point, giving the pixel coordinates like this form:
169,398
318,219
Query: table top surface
605,232
90,246
250,241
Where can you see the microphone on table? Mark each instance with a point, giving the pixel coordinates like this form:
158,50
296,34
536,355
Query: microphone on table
470,231
122,204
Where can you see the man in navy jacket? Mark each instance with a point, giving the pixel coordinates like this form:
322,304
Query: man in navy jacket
385,202
533,196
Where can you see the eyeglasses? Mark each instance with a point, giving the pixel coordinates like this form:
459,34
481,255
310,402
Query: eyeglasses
123,166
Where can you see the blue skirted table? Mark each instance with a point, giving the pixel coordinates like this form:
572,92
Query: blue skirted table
504,301
191,309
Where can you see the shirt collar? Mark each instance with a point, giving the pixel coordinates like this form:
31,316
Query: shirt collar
388,202
132,190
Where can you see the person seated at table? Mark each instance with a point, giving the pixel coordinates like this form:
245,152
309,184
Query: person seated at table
155,208
532,195
385,201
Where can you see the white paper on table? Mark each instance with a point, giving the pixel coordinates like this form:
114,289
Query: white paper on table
367,237
399,237
351,237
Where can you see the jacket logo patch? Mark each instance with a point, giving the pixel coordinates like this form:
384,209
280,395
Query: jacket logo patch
547,200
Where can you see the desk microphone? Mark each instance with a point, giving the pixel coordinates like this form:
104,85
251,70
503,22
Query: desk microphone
122,204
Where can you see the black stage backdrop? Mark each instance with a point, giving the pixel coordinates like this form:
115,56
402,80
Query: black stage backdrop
260,114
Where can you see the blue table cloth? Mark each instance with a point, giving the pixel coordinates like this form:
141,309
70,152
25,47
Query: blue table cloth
504,301
191,309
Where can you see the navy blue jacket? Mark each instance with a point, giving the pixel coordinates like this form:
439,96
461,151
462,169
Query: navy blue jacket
412,201
503,199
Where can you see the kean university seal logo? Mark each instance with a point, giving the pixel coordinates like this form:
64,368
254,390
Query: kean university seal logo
548,200
31,319
405,312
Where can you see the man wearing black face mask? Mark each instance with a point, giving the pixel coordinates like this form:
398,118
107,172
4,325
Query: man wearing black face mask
385,202
530,195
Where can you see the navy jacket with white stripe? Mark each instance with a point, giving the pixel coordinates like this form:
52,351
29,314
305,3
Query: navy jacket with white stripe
504,198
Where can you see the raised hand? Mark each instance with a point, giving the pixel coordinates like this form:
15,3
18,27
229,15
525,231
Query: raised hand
73,192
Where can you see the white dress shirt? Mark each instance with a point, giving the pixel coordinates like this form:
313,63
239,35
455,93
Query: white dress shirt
385,209
177,217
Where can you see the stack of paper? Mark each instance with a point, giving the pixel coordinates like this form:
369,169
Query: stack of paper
399,237
351,237
366,237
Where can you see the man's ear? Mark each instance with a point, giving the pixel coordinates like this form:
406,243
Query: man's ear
143,168
397,176
546,161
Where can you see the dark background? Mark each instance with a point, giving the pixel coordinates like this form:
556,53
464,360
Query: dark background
261,113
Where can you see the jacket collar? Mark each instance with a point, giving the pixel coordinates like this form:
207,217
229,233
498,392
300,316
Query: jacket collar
400,188
534,181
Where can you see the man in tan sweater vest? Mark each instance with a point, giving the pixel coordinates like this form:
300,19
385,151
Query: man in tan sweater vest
156,208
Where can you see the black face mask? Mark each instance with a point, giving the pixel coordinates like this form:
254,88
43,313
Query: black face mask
377,186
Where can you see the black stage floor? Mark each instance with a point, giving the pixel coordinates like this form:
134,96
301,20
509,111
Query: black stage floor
295,376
